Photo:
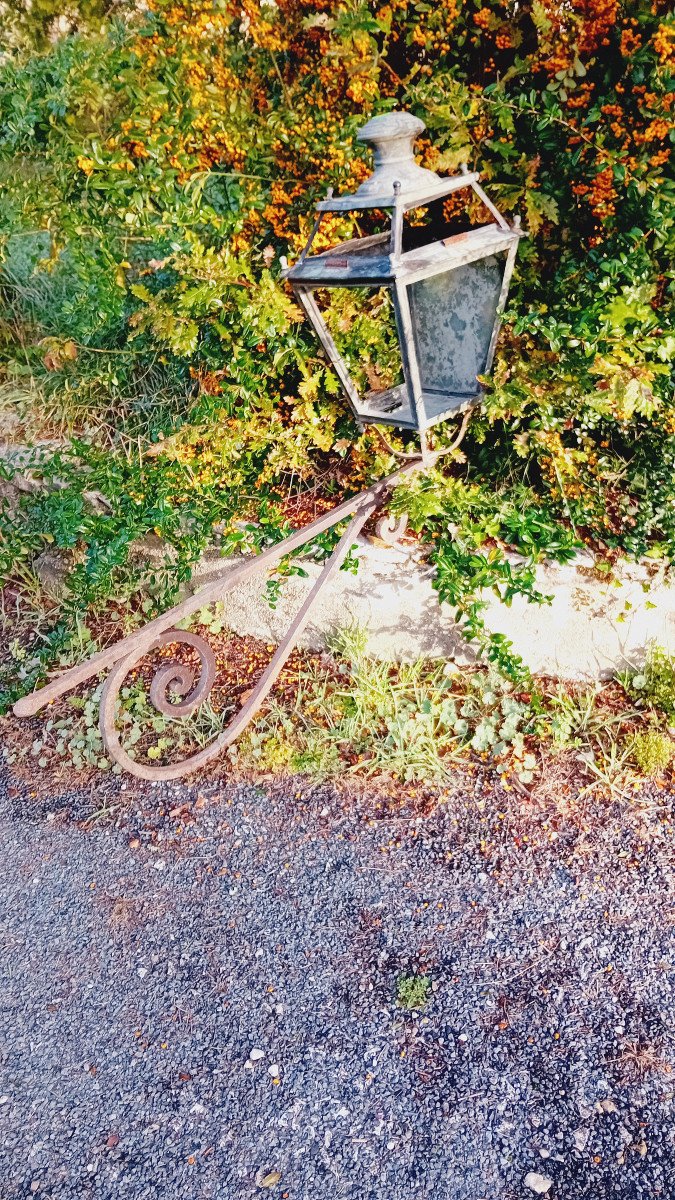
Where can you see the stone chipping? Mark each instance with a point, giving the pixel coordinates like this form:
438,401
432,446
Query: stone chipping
199,996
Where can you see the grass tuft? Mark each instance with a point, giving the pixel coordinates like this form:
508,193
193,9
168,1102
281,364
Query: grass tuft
652,751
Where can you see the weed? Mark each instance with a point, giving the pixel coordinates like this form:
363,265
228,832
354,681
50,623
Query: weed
606,759
74,736
414,720
639,1059
581,722
413,991
656,682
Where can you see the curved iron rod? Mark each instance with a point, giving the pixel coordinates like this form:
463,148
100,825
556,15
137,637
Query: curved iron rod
261,690
136,645
434,454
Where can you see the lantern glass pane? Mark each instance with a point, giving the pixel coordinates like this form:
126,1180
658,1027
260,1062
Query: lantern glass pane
453,318
362,323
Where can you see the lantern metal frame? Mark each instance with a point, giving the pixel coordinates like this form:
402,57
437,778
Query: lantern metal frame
179,688
398,186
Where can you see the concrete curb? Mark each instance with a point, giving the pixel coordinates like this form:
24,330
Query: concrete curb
593,627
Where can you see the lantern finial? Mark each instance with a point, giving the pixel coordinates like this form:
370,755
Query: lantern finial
391,136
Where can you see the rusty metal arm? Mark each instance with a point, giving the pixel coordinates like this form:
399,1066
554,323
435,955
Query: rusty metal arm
211,592
177,674
177,690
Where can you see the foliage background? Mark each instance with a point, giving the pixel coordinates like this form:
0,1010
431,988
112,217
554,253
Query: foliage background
155,165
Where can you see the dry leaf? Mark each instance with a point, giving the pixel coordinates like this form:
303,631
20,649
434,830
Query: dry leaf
270,1180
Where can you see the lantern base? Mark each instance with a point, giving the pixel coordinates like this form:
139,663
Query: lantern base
395,407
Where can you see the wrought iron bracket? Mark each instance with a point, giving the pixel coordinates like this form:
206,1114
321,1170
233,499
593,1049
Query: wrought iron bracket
177,689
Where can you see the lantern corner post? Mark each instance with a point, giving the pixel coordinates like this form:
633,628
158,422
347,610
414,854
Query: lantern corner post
411,369
336,360
396,236
501,303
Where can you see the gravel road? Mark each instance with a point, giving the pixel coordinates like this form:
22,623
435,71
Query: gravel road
199,996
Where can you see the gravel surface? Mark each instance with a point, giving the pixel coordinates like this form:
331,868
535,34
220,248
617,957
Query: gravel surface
199,996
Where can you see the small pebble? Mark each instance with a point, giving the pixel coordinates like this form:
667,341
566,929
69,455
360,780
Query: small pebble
540,1184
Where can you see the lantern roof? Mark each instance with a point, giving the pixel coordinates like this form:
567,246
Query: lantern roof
369,261
399,184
